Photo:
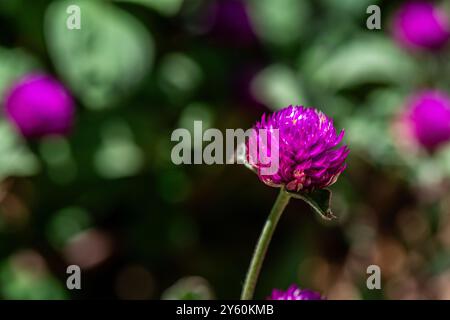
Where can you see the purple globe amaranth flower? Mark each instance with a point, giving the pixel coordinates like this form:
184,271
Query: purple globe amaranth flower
295,293
307,145
39,105
421,25
428,115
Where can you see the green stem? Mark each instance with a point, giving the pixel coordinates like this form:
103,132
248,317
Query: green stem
263,244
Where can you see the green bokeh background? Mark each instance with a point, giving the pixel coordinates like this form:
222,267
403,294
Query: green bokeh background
109,199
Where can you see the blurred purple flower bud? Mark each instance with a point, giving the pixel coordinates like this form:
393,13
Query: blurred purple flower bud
295,293
309,156
429,117
421,25
231,22
39,105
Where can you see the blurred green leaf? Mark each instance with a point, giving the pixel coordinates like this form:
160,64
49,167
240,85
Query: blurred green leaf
374,121
362,131
444,159
278,86
56,153
440,263
27,284
103,60
118,155
318,200
15,157
196,111
164,7
357,8
179,75
65,224
13,64
369,59
189,288
280,22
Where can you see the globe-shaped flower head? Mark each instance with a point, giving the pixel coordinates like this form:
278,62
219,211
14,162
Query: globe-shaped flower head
428,116
421,25
295,293
309,155
39,105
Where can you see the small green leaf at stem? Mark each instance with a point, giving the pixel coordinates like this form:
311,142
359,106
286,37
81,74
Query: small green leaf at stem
319,201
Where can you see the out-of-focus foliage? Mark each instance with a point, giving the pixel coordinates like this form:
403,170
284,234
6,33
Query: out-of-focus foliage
14,64
15,157
107,59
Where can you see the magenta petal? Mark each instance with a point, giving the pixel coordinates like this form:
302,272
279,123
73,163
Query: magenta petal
307,140
295,293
